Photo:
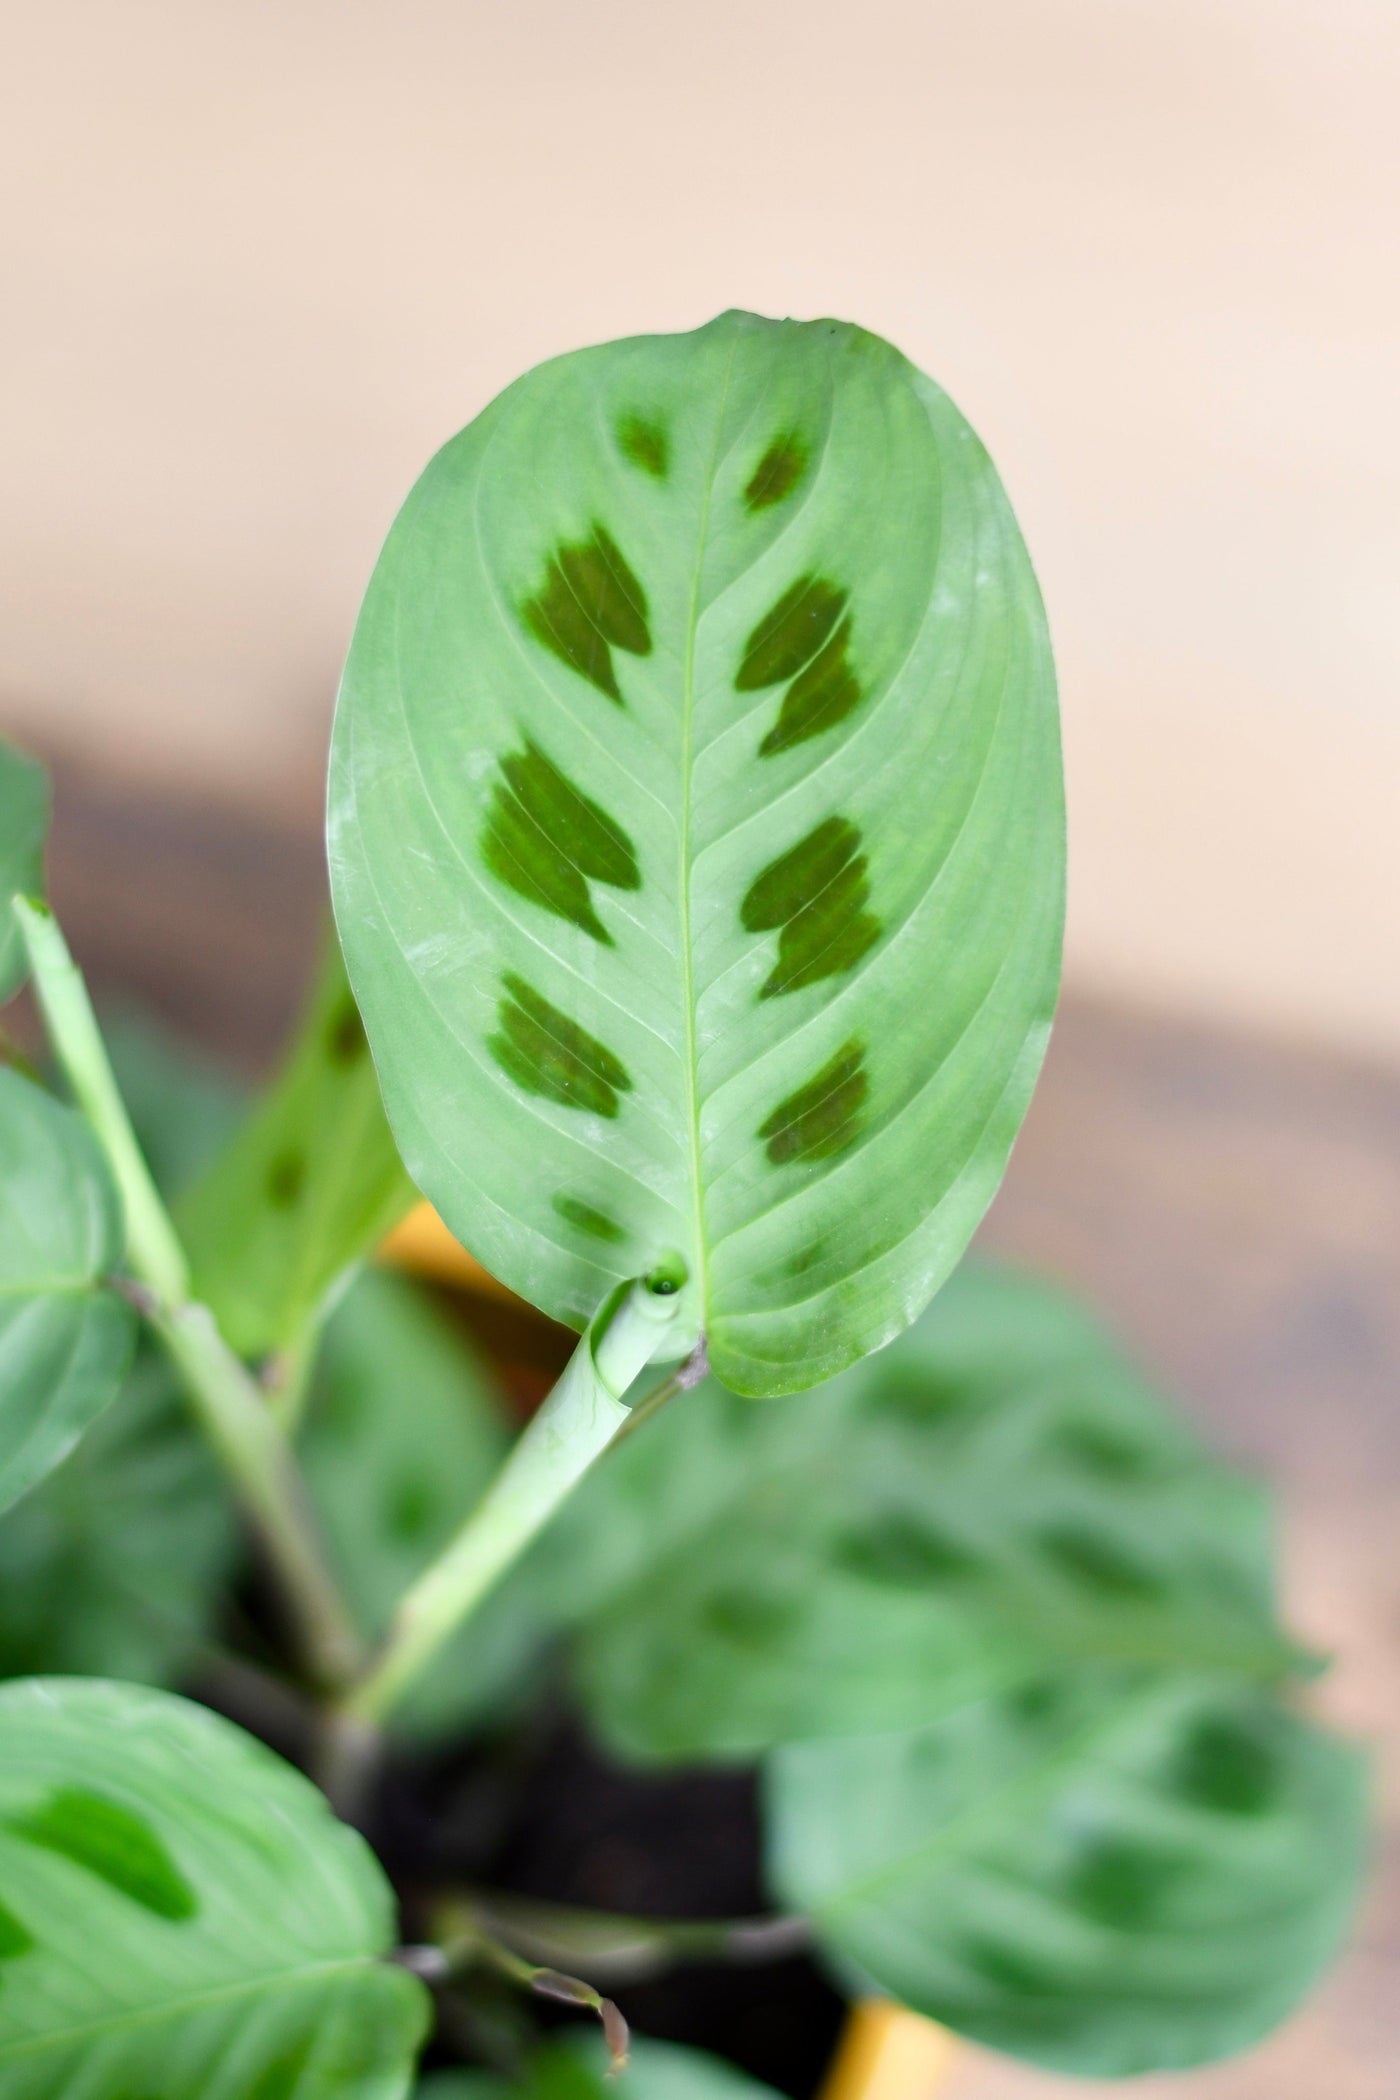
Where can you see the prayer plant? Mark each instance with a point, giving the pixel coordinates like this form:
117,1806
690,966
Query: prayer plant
697,852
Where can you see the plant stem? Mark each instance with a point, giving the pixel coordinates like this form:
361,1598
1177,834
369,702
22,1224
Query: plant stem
577,1422
287,1383
155,1253
625,1949
466,1941
232,1411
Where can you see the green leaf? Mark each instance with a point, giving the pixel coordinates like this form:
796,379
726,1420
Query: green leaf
305,1188
24,822
403,1435
112,1566
697,838
576,2070
184,1916
996,1490
1107,1875
65,1337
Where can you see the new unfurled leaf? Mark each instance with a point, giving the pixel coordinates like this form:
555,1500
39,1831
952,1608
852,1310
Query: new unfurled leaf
65,1336
304,1189
183,1916
24,821
697,838
996,1492
1108,1874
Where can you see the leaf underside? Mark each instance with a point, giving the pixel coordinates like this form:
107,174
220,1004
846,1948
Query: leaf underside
697,837
183,1918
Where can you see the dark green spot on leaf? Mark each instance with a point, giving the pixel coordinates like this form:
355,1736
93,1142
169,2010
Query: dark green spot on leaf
791,634
546,1053
825,693
283,2076
1227,1766
1103,1451
1034,1705
286,1178
816,893
590,604
15,1939
823,1117
646,444
1009,1968
587,1218
410,1510
920,1396
1122,1882
113,1844
345,1037
1095,1562
547,841
742,1616
906,1553
777,473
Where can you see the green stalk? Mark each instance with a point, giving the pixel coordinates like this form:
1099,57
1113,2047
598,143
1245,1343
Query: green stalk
577,1422
235,1417
155,1253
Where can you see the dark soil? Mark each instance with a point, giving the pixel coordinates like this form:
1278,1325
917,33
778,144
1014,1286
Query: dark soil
549,1818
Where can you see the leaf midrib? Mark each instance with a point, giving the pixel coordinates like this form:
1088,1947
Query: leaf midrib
692,1063
178,2008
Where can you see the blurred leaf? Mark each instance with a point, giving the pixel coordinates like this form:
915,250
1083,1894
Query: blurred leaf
112,1566
65,1336
183,1916
1107,1874
697,836
305,1188
24,821
183,1106
404,1432
575,2070
996,1491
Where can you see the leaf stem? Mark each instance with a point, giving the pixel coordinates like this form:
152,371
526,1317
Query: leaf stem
620,1949
235,1417
465,1941
155,1253
577,1422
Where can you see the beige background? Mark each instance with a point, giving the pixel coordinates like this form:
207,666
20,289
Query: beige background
259,259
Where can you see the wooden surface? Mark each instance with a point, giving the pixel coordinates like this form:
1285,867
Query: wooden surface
1232,1206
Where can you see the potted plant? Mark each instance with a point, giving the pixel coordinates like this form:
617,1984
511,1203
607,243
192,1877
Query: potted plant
696,845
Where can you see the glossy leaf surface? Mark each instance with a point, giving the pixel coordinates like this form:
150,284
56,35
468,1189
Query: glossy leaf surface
183,1917
403,1435
696,835
112,1566
24,820
65,1336
1107,1875
996,1490
305,1189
